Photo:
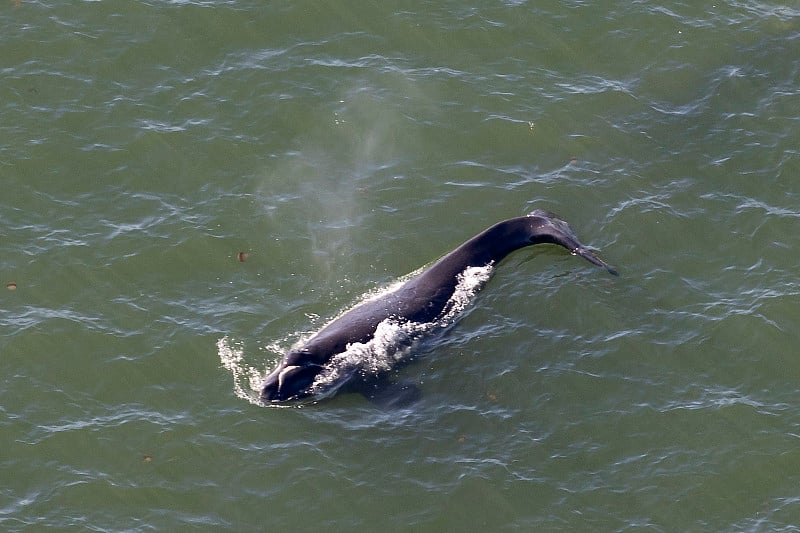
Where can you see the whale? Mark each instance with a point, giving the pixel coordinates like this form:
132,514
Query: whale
422,300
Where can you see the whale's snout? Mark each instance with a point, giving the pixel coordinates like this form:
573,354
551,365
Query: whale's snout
289,382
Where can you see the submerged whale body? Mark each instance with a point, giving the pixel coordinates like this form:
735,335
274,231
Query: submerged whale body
422,300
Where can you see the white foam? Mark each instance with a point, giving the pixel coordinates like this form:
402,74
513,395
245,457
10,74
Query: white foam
469,283
246,379
393,341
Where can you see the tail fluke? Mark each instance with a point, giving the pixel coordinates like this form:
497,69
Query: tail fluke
589,256
560,233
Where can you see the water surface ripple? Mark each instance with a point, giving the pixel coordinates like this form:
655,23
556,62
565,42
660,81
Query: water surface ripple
146,144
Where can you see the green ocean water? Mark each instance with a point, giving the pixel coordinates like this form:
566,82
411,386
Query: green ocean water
341,145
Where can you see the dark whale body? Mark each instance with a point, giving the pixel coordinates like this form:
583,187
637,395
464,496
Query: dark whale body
422,299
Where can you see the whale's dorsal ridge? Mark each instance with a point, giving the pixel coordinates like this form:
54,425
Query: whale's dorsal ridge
422,299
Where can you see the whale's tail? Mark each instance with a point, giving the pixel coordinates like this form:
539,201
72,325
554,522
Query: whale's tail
592,258
554,229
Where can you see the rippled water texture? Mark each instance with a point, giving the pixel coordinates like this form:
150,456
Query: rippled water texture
190,188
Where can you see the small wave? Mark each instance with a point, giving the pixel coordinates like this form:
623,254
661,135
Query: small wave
246,379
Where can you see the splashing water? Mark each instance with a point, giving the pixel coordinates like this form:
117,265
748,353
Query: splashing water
392,342
246,379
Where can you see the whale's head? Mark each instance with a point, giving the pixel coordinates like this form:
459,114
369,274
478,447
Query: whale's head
292,379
